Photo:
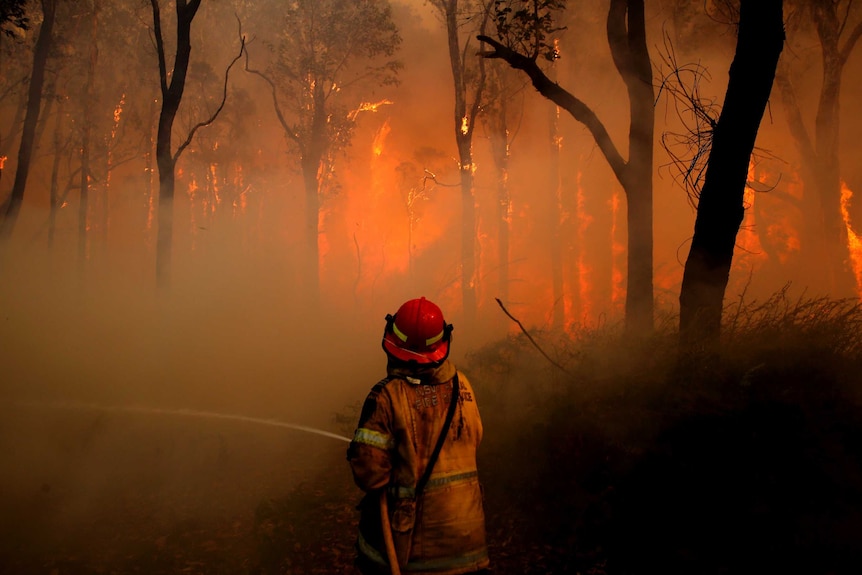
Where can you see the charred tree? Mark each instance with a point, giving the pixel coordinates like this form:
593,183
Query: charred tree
10,209
626,33
172,94
720,208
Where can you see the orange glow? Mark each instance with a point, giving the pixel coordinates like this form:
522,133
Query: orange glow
854,242
380,138
465,125
240,203
748,239
2,162
211,205
367,107
618,250
118,113
584,287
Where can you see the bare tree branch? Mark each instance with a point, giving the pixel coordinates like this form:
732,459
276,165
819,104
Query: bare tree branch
552,91
218,110
526,333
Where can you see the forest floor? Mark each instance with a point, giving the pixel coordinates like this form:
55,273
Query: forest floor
615,467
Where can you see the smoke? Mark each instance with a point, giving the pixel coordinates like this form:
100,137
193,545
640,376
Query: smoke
232,349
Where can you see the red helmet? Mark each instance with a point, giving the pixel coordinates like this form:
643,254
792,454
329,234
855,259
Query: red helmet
417,333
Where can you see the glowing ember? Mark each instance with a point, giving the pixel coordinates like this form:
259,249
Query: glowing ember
618,250
380,138
854,241
584,270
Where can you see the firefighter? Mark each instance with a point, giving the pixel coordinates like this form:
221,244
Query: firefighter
414,456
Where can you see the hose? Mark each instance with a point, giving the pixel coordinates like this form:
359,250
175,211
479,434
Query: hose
387,534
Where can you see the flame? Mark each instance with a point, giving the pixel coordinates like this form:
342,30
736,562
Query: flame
618,250
367,107
118,113
585,287
854,241
748,239
216,196
380,138
465,125
2,162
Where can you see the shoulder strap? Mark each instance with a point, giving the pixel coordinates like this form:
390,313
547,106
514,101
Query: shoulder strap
453,402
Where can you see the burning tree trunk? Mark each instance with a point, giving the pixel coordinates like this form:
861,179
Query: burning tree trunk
465,120
720,209
555,215
819,155
34,104
627,39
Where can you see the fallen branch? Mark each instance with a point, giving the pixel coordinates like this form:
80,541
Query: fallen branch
536,345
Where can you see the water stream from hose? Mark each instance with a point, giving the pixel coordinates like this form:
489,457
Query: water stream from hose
81,406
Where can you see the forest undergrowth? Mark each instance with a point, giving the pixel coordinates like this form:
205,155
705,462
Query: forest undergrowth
610,459
616,461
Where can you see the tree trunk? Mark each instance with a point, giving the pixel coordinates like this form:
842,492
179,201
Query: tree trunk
54,200
464,141
555,213
827,242
499,137
311,269
172,94
720,209
626,32
87,123
34,104
627,39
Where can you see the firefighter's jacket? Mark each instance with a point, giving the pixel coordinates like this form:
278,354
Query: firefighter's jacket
443,530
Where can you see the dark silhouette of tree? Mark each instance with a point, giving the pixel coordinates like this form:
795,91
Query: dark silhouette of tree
720,207
524,36
172,85
10,209
330,54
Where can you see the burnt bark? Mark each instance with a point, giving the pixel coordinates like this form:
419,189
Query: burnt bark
12,206
720,208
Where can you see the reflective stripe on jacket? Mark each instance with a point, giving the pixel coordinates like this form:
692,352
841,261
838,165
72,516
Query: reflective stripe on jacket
444,531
